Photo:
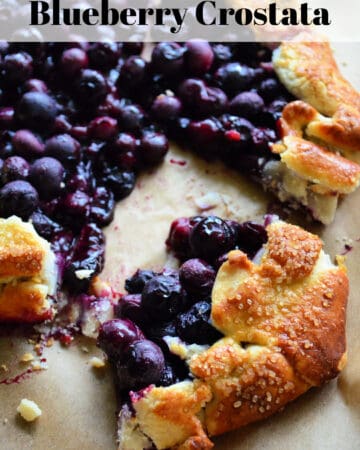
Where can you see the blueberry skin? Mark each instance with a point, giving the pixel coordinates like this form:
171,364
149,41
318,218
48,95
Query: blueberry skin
36,110
197,277
167,58
63,147
211,237
14,168
142,364
19,198
46,174
136,283
194,325
116,335
162,297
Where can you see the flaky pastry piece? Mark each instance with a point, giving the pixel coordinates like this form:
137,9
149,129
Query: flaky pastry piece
283,321
28,273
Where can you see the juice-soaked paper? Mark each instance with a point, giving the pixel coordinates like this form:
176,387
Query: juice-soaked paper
78,402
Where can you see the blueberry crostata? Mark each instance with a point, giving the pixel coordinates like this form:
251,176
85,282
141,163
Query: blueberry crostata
253,318
255,315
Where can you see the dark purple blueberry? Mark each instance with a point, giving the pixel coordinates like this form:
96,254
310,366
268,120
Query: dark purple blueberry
269,89
14,168
104,128
199,57
157,331
247,104
142,364
116,335
262,137
153,148
90,89
275,108
76,205
197,277
133,48
194,325
131,117
6,146
63,147
18,198
7,115
129,307
190,90
47,174
102,206
136,283
44,225
220,261
73,60
104,55
162,297
168,58
27,144
133,72
211,237
120,182
178,238
166,107
36,110
211,101
234,77
205,131
201,99
35,85
251,237
222,53
88,256
16,68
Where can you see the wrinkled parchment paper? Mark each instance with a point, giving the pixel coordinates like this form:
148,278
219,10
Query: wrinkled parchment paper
78,402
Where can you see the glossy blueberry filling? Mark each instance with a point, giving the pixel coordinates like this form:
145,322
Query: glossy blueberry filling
80,121
173,303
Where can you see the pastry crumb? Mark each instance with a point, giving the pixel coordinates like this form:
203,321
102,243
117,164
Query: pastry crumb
84,349
28,410
83,274
4,368
5,421
26,357
97,363
39,365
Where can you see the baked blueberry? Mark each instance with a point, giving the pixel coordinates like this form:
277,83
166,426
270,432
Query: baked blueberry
136,283
197,277
167,58
73,60
27,144
211,237
44,225
142,364
247,104
199,57
36,110
63,147
194,327
104,55
16,68
119,181
18,198
251,237
166,107
104,128
153,147
179,235
35,85
129,307
102,206
234,77
133,72
131,117
46,174
14,168
162,297
116,335
90,89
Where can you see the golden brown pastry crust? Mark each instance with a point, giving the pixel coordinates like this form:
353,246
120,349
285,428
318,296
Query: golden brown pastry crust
27,273
309,71
284,326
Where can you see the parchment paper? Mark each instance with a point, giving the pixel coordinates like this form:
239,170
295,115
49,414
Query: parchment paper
78,402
